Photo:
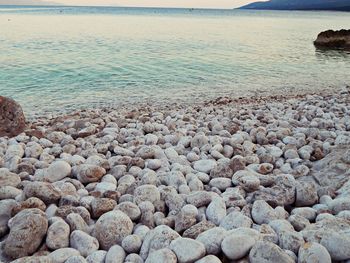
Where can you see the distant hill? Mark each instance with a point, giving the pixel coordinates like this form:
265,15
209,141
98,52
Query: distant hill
336,5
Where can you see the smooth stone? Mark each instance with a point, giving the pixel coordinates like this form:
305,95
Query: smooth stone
8,178
266,252
115,254
337,244
97,257
313,252
291,241
58,235
83,242
212,239
204,166
164,255
42,190
306,194
130,209
157,238
132,244
236,246
89,173
216,210
111,228
187,250
209,259
146,193
235,219
195,230
62,254
57,171
340,204
262,212
12,120
27,230
76,259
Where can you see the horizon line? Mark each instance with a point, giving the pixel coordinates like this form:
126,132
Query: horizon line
121,6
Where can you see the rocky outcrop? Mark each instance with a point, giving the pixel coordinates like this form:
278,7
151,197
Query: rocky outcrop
12,120
333,39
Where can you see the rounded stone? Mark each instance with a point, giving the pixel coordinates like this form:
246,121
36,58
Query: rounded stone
212,239
216,210
57,171
89,173
146,193
130,209
42,190
97,257
132,244
187,250
12,120
164,255
236,246
266,252
27,230
99,206
115,254
83,242
337,244
111,228
204,166
62,254
58,235
313,252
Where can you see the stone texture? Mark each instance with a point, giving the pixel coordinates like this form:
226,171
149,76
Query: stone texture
12,120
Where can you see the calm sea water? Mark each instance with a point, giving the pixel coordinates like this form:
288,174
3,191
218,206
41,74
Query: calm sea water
62,58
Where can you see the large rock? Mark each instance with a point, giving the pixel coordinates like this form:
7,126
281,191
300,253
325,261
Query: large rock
12,120
265,252
187,250
42,190
27,230
333,39
111,228
158,238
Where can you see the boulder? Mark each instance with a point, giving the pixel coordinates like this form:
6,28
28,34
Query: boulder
333,39
12,120
27,230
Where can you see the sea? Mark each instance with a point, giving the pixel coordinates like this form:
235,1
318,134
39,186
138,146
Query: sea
57,59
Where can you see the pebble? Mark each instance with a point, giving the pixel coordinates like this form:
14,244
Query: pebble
83,242
58,235
266,252
111,228
204,166
115,254
162,255
187,250
62,254
212,240
216,210
239,180
337,244
57,171
27,230
313,252
236,246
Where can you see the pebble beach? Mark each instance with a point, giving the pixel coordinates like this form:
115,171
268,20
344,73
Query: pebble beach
250,179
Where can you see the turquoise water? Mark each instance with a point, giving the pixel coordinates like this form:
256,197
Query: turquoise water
62,58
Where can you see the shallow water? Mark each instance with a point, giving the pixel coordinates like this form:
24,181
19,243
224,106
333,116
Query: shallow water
62,58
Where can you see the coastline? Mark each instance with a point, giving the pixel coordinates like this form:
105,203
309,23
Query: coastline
148,182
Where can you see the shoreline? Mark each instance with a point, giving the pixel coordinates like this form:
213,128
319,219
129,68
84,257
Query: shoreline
244,178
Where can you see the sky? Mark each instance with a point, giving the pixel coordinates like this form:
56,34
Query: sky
148,3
